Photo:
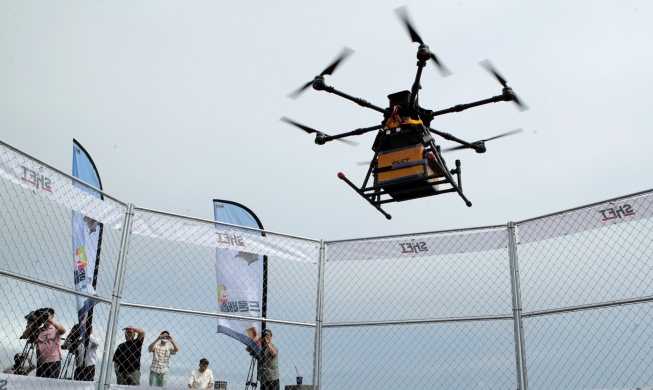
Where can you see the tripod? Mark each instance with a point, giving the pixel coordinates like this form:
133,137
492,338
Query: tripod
251,382
69,365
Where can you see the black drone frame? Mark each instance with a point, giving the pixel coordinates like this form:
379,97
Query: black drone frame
420,131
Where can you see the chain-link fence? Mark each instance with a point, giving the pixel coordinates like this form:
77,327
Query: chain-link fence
562,301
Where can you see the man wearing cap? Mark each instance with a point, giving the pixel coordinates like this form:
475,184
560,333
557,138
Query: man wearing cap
161,352
127,359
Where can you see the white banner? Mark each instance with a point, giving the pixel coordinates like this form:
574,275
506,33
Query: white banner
22,382
595,217
46,182
418,245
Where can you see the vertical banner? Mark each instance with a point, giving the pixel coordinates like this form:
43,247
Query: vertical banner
241,276
87,238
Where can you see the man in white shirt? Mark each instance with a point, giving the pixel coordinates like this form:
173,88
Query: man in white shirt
87,357
201,378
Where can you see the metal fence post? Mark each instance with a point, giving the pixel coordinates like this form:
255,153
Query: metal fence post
110,337
520,354
319,317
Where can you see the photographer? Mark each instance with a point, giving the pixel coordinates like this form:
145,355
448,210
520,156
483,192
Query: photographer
268,366
87,357
48,342
161,352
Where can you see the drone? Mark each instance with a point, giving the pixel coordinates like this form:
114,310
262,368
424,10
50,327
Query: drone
407,162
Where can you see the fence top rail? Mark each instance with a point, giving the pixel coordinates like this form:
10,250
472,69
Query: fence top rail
15,149
417,234
415,322
586,206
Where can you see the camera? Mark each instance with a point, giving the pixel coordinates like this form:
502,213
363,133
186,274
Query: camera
74,339
35,320
266,333
39,316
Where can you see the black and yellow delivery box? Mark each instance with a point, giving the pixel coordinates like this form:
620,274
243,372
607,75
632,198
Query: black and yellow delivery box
405,165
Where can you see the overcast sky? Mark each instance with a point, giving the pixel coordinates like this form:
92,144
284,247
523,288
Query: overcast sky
179,103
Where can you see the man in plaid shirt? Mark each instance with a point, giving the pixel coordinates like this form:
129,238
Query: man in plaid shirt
161,352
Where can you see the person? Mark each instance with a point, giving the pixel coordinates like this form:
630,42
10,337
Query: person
48,345
268,367
19,367
202,377
87,357
127,358
161,352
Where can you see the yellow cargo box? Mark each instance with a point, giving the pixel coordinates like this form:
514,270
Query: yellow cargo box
408,157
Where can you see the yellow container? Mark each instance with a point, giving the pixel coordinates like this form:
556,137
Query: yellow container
401,156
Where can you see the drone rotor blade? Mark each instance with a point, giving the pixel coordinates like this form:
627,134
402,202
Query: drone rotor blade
513,132
348,142
305,128
445,150
414,36
522,106
331,68
490,68
443,69
403,15
295,94
310,130
327,71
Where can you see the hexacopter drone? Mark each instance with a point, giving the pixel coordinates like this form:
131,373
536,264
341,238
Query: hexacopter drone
407,163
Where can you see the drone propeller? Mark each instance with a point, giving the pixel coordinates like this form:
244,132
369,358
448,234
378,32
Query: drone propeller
403,15
481,142
327,71
311,130
488,66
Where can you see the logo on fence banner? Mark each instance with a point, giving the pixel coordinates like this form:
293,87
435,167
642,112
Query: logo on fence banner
617,212
36,179
231,239
413,247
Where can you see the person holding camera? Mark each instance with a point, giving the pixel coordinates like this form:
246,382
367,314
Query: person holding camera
161,352
48,342
19,367
127,358
268,366
86,357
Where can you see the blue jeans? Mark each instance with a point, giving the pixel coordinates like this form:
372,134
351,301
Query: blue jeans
158,379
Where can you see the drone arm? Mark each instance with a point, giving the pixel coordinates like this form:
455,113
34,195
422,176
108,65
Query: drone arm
423,54
360,131
506,96
319,85
477,147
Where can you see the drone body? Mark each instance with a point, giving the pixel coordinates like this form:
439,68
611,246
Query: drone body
407,162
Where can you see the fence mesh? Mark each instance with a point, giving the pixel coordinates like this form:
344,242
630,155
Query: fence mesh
431,310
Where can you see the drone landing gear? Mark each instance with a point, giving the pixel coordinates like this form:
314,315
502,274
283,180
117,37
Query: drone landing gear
408,173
